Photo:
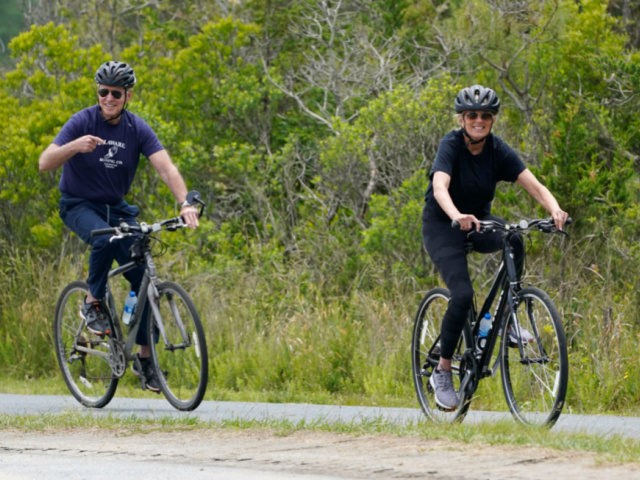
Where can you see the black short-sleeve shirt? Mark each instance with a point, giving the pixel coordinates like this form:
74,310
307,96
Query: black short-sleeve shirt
473,177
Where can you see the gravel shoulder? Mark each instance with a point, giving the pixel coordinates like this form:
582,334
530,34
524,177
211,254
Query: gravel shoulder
306,455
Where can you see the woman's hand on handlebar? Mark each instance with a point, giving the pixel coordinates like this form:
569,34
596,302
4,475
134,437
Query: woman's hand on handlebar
466,222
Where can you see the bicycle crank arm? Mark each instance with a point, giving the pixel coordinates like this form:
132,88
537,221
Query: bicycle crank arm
469,382
534,361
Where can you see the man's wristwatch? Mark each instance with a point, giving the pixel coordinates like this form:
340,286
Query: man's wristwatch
186,204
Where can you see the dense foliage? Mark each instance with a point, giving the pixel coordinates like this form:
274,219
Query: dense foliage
309,126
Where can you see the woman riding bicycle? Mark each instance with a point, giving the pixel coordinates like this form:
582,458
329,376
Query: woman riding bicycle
469,163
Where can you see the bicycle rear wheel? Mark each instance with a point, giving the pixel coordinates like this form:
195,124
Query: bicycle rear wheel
425,354
535,374
179,348
83,357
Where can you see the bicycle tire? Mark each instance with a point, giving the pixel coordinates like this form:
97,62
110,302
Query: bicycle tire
426,335
88,374
535,381
180,356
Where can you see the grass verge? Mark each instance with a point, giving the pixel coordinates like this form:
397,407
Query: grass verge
615,449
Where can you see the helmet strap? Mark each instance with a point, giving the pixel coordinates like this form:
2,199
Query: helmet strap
471,141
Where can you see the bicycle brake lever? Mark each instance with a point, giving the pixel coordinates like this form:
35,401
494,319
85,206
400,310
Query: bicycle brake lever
178,223
119,235
121,231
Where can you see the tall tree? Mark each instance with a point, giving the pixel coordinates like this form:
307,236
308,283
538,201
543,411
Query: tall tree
11,23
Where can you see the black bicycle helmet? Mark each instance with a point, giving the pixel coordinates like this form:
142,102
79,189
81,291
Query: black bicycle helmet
477,97
116,74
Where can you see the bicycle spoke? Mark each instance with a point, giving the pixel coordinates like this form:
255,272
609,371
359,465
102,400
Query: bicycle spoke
426,354
82,357
181,353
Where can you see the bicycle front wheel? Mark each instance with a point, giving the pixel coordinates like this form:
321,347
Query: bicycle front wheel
82,356
534,372
179,348
425,354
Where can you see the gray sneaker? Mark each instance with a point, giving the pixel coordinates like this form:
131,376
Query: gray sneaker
525,335
96,318
445,395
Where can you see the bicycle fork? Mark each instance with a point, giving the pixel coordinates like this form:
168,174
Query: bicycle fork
154,302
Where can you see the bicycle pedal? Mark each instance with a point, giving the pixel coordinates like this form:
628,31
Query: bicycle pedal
100,335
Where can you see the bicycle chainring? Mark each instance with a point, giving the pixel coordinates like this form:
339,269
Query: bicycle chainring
469,379
117,359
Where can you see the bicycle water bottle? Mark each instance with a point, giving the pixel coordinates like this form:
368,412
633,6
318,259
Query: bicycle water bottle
129,307
483,330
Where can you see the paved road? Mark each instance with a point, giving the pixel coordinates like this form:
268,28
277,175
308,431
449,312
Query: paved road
603,425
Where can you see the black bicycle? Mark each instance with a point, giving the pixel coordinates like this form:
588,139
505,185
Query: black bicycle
526,327
92,365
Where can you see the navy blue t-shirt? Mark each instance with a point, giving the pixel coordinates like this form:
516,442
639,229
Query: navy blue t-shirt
105,175
473,177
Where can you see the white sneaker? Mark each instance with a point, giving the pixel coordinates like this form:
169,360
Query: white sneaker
525,336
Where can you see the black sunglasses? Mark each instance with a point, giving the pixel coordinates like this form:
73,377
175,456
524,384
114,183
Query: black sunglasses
117,94
474,115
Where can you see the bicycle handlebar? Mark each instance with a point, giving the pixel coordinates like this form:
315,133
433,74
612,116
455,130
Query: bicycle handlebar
545,225
125,229
171,224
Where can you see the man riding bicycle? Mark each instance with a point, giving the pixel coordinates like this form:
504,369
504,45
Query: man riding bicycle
99,150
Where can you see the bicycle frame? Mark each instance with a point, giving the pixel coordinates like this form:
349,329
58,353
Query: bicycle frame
146,287
148,296
505,281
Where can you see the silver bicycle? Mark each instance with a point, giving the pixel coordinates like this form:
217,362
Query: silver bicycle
92,365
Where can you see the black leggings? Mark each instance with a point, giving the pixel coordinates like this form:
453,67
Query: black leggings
446,247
